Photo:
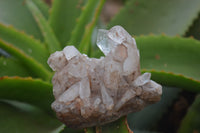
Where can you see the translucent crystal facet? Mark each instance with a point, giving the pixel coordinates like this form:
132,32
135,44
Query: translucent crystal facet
56,61
142,79
104,42
90,92
119,35
70,94
84,91
70,52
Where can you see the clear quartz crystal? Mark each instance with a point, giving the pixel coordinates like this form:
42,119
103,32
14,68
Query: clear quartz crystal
90,92
97,102
107,100
119,35
70,94
142,79
70,52
126,97
59,63
104,42
84,91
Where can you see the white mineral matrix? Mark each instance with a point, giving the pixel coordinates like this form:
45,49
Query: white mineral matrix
90,91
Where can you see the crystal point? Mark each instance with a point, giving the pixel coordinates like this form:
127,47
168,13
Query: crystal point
70,94
56,61
119,35
104,43
70,52
84,91
142,79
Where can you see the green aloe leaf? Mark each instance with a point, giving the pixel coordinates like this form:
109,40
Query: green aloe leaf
4,53
175,80
194,29
90,130
43,7
174,60
15,12
28,44
63,17
84,20
48,34
191,122
170,54
35,67
85,44
119,126
150,115
28,90
69,130
169,17
11,67
22,118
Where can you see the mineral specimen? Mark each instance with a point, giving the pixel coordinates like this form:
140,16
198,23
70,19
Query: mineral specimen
91,91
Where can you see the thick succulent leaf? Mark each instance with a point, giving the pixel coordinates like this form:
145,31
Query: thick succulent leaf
27,44
69,130
85,44
90,130
11,67
171,54
28,90
191,122
34,67
171,17
119,126
23,118
171,58
84,20
4,53
43,7
175,80
174,60
194,30
150,115
15,12
63,18
48,34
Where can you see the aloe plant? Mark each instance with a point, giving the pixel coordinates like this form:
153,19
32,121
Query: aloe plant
31,30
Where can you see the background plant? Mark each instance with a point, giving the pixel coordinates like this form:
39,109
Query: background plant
31,30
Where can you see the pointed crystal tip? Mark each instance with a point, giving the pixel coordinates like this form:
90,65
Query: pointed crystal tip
109,39
70,52
102,41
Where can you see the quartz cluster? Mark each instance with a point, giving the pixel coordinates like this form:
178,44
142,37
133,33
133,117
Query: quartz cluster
90,91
